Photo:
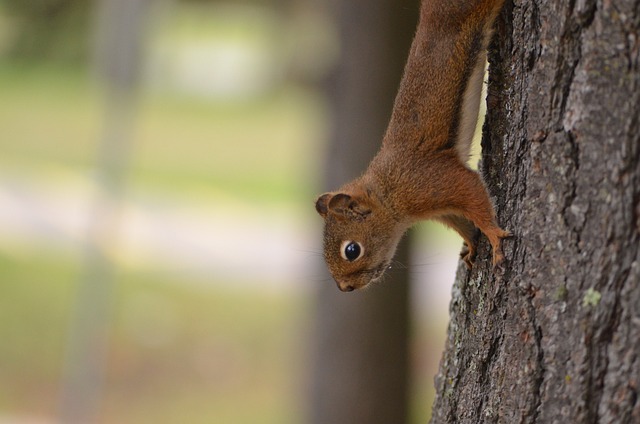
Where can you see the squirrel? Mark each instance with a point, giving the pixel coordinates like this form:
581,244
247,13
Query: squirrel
421,170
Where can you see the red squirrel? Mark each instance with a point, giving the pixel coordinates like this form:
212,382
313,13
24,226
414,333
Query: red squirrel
421,170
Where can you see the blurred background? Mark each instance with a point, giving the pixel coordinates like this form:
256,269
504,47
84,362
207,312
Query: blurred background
160,255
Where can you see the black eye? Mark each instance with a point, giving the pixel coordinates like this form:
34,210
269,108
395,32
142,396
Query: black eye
351,250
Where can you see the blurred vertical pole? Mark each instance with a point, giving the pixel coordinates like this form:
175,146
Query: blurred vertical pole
120,38
361,340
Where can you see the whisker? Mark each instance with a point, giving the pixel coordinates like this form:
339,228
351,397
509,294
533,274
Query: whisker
414,269
397,264
318,251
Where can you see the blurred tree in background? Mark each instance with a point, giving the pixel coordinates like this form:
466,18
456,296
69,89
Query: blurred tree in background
59,30
48,29
361,340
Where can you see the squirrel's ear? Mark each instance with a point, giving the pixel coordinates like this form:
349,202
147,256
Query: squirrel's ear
322,204
343,204
339,203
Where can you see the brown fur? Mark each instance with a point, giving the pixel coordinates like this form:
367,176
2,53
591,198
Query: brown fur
421,171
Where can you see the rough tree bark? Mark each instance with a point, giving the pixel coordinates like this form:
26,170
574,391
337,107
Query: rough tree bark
554,337
360,343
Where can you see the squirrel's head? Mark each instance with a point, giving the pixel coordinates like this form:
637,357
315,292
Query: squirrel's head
360,237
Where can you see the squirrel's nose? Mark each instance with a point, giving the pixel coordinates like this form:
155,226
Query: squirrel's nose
345,287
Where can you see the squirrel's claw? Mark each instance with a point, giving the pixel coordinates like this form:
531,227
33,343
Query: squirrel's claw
468,255
498,255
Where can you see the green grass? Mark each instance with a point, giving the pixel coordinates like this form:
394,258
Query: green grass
48,115
33,310
179,351
265,150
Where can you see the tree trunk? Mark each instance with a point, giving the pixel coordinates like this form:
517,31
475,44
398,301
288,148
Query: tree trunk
554,337
119,43
360,343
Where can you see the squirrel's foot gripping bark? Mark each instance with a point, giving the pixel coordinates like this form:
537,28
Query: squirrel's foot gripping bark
468,252
495,237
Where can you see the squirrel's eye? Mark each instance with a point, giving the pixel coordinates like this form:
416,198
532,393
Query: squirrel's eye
351,250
